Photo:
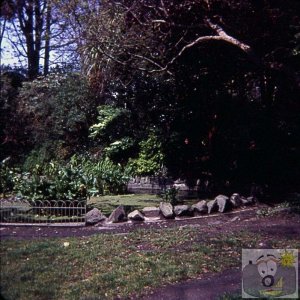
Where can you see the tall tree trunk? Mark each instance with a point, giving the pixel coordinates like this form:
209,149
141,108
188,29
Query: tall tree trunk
47,38
31,22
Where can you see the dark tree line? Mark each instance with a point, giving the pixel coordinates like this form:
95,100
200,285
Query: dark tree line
216,80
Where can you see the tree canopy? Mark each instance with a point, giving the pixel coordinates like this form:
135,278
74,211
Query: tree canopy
215,81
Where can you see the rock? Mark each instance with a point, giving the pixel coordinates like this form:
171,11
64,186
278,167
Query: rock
235,200
182,210
212,206
181,186
166,209
200,207
248,201
251,200
118,215
179,180
150,211
223,203
136,216
94,216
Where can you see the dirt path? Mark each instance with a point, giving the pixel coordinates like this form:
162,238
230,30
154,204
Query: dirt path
208,287
283,225
235,219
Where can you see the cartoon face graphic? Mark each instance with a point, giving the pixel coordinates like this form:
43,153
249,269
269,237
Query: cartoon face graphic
270,274
267,268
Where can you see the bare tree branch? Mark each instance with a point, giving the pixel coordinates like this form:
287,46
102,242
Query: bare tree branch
221,36
163,8
18,36
227,38
151,61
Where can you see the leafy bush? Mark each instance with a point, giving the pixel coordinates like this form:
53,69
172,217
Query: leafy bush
56,112
52,181
170,195
119,146
107,116
6,177
151,157
10,131
106,176
80,177
43,154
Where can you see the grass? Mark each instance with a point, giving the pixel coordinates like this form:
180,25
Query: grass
105,203
111,266
131,201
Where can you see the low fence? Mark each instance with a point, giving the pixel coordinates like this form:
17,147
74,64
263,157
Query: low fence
47,212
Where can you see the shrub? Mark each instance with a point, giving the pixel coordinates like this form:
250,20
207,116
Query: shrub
170,195
80,177
106,176
6,177
108,116
151,158
56,112
52,181
10,131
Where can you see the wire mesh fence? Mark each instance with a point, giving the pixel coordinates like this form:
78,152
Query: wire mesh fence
48,212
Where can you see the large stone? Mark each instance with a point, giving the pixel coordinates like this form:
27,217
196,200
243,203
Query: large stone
150,212
223,203
212,206
166,209
200,207
118,215
248,201
136,216
235,200
94,216
182,210
251,200
182,186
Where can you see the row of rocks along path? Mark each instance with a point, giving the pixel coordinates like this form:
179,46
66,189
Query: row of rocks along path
209,286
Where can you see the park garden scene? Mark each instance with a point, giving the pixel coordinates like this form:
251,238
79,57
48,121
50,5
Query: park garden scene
145,144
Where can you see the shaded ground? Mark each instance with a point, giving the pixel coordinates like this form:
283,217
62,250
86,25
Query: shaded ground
280,226
209,287
283,225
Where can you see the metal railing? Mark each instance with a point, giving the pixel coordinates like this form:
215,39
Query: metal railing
48,212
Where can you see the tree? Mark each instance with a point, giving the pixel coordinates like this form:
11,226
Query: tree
35,30
6,13
55,113
219,65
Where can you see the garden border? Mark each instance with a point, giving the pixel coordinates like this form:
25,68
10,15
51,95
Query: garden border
20,212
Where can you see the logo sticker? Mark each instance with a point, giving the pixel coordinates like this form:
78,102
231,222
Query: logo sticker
270,273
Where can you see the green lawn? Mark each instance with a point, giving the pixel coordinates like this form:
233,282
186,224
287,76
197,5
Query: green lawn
131,201
107,266
105,203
